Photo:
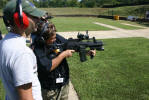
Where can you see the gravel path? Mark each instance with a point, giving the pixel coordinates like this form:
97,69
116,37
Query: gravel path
72,93
116,33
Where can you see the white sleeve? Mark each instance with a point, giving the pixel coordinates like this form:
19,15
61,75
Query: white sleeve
22,71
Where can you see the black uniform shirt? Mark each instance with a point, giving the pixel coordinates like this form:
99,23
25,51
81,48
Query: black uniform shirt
44,63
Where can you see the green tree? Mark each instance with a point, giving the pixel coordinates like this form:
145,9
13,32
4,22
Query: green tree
88,3
72,3
83,3
3,3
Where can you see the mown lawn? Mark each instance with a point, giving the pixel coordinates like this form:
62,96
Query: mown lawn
121,11
138,10
87,23
74,11
119,23
118,73
77,24
2,26
65,24
2,91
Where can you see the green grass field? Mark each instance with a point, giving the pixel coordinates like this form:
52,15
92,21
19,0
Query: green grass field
2,26
65,24
0,12
118,73
2,92
131,10
119,24
121,11
75,11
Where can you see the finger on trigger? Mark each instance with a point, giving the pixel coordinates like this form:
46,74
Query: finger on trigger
72,51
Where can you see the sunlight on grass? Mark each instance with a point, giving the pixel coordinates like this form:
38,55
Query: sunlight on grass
65,24
77,24
2,92
2,27
117,23
118,73
83,23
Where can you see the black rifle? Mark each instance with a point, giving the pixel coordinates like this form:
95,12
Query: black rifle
80,45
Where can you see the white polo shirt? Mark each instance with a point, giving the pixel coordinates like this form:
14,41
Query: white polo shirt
18,66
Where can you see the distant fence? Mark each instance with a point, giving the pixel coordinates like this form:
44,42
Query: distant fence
75,15
101,16
124,18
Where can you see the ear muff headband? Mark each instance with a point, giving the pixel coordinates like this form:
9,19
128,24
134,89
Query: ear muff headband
45,27
40,38
20,17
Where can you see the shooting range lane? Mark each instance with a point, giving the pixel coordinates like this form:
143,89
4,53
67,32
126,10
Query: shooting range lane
109,26
116,33
133,25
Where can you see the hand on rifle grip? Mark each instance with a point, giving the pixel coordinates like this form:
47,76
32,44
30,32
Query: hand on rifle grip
92,53
68,53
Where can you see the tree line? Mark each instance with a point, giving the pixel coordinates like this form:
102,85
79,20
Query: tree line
88,3
82,3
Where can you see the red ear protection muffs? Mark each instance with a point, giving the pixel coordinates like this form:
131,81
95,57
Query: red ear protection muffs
20,18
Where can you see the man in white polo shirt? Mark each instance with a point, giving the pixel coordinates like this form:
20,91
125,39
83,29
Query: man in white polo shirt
18,68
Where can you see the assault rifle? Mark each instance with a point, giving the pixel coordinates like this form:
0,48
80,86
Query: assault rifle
80,45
